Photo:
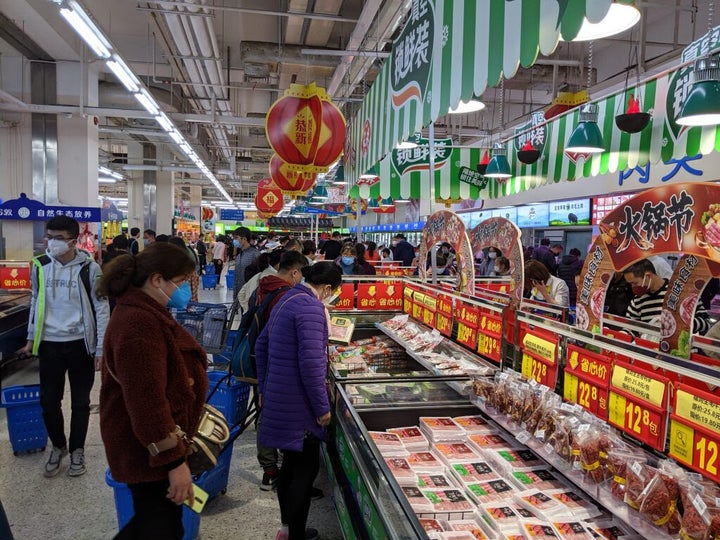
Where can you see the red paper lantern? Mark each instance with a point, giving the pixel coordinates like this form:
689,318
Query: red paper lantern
332,135
269,198
290,182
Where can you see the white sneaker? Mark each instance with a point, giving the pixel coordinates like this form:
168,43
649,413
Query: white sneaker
52,467
77,463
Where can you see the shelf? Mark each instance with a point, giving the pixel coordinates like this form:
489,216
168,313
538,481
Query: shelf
597,492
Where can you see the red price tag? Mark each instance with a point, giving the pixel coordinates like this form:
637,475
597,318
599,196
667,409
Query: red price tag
539,370
695,447
15,278
467,335
638,419
468,315
586,393
347,297
417,312
445,305
382,295
489,346
443,323
407,305
588,365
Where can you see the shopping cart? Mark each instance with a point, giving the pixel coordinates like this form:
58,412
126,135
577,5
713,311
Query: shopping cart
210,325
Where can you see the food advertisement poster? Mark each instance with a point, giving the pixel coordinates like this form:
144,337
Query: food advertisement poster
569,213
503,234
675,218
446,226
533,215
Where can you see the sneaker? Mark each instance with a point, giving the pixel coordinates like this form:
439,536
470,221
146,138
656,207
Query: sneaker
52,467
316,494
77,463
269,480
311,534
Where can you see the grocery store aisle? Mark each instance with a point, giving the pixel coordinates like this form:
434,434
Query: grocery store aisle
64,508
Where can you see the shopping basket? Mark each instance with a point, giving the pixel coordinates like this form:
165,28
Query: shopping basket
24,418
228,395
207,323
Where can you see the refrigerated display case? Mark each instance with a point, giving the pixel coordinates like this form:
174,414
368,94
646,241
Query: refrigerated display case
14,313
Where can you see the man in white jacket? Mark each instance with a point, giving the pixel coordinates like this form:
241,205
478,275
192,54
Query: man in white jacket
66,330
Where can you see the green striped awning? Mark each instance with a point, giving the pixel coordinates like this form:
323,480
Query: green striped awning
452,50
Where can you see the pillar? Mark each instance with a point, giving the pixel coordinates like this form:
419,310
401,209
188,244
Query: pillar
165,194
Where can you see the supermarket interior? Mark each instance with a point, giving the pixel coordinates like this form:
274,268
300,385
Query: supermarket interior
519,197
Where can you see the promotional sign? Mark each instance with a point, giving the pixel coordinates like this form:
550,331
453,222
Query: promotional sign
444,320
383,296
675,218
602,206
695,430
533,215
587,379
534,132
637,404
569,213
468,317
429,309
347,297
407,160
472,177
24,209
490,335
504,235
15,278
508,213
408,293
446,226
539,359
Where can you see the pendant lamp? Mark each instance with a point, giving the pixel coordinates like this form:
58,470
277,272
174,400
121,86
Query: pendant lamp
498,166
586,138
320,194
619,18
702,105
466,107
387,202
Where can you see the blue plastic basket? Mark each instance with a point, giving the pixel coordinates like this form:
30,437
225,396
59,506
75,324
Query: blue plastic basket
209,281
230,396
210,269
125,509
215,481
230,280
24,417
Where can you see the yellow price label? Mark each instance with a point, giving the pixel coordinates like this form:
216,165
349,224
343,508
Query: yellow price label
616,409
696,409
570,387
534,369
682,438
541,347
639,385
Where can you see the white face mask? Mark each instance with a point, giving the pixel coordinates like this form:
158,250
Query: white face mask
58,248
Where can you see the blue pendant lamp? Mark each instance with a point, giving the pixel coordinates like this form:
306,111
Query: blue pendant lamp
373,203
498,166
387,202
586,138
702,105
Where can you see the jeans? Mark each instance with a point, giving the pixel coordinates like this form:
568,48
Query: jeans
57,358
156,516
297,474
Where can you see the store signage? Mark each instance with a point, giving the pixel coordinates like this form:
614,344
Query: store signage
587,378
534,131
695,430
533,215
490,335
347,297
383,296
429,308
15,278
407,160
508,213
472,177
25,209
444,315
468,317
539,355
637,404
408,296
602,206
232,214
569,213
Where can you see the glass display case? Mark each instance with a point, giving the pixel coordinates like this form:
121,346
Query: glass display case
14,313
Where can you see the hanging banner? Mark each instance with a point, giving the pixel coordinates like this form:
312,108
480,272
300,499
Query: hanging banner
25,209
446,226
503,234
676,218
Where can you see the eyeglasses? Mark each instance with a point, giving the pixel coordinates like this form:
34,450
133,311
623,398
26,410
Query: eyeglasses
58,237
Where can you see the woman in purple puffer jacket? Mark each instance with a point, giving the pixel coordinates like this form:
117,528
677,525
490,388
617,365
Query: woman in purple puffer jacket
291,355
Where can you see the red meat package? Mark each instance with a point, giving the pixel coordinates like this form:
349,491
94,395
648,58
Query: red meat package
400,469
701,515
455,451
658,501
471,472
434,481
619,459
572,530
411,437
481,441
638,476
389,444
441,428
538,530
593,444
473,424
425,462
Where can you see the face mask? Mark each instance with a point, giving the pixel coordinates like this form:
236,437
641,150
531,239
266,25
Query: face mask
146,242
347,261
236,243
180,297
639,290
58,248
492,255
496,269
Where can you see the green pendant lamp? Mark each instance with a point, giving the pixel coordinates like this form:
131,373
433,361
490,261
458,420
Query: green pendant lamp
320,193
498,166
586,138
374,203
387,202
702,105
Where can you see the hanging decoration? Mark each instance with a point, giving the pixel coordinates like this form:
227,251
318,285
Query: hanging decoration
634,120
483,163
269,198
290,182
528,154
305,129
447,202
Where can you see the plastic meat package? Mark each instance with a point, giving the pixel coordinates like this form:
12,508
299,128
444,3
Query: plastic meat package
471,526
539,503
539,478
500,516
400,469
448,501
572,530
425,462
639,475
441,428
547,414
472,472
594,442
389,444
481,441
659,499
455,452
701,515
397,322
514,459
411,437
619,459
431,525
574,505
473,424
434,481
537,530
490,491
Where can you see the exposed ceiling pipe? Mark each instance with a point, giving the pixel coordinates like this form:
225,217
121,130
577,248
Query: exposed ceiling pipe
165,168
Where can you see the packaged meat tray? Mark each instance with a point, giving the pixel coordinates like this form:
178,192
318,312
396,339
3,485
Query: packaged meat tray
400,469
490,491
434,481
538,530
471,472
574,505
610,531
481,441
455,535
514,459
500,516
450,502
539,503
536,479
476,530
411,437
431,525
571,530
455,452
389,444
473,424
419,503
425,462
441,428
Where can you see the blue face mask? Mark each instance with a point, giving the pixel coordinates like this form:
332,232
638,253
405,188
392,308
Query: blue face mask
236,243
180,298
347,261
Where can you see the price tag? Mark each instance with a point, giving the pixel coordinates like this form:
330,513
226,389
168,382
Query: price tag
639,383
444,324
469,315
347,297
587,394
695,447
489,346
638,419
445,305
540,345
417,312
407,305
542,372
428,316
588,365
467,335
698,407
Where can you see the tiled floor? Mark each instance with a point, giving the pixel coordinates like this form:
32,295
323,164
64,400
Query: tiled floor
64,508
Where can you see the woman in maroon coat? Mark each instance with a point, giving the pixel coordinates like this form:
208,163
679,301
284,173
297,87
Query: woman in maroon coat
153,382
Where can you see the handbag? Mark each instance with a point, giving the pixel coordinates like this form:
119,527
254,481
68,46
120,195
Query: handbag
205,447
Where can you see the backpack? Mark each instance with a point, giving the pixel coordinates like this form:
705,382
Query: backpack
242,361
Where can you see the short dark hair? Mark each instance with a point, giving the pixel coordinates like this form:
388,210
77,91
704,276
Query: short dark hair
503,262
64,223
134,231
120,242
293,245
309,247
336,234
400,235
291,260
149,232
162,238
558,246
323,273
575,251
133,270
243,232
640,268
545,242
177,241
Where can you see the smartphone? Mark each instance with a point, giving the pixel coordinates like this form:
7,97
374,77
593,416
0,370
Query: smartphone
200,497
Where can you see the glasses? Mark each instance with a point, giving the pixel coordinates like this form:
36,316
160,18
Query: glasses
58,237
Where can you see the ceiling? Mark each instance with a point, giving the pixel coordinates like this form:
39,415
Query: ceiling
217,65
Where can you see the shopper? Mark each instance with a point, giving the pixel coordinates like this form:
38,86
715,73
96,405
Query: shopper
347,261
372,254
366,269
202,251
545,255
153,382
330,250
119,246
310,251
544,287
502,266
403,251
291,355
267,265
134,241
386,256
293,244
66,328
219,255
569,267
194,279
649,290
618,295
245,256
148,237
487,266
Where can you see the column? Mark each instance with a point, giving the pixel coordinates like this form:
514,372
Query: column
165,194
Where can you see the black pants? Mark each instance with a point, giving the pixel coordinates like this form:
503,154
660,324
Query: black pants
218,268
297,475
57,358
156,517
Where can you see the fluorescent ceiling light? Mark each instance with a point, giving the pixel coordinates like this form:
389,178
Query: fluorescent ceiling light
107,180
90,34
164,122
110,172
368,176
175,136
147,101
619,18
123,74
465,107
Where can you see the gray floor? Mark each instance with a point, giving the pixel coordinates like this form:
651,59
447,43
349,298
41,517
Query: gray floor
83,508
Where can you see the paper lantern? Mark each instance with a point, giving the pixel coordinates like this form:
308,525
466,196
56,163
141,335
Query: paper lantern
269,198
332,134
290,182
